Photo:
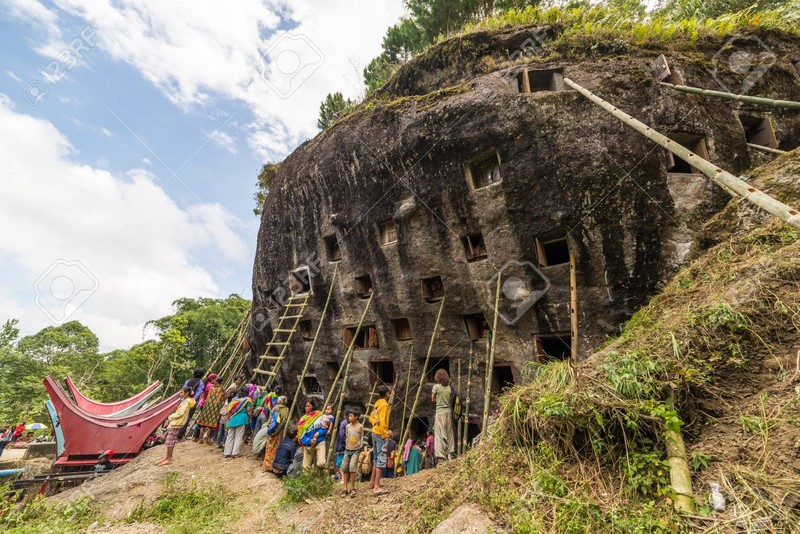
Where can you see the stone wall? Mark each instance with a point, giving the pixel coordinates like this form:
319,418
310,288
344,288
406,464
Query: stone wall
567,170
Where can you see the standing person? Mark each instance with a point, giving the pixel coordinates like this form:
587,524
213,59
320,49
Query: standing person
208,420
412,457
278,419
443,422
354,435
430,449
340,445
197,386
240,410
262,411
176,421
379,419
391,456
209,382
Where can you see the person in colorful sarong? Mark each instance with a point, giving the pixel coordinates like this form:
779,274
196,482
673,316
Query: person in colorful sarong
278,419
176,421
240,410
208,420
312,429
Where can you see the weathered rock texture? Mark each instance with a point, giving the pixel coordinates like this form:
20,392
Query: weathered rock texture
567,168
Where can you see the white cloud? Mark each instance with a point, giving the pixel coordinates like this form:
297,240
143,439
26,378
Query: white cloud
194,52
223,140
10,74
106,132
132,238
34,12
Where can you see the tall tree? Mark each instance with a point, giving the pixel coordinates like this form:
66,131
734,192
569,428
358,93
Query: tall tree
334,106
265,180
70,348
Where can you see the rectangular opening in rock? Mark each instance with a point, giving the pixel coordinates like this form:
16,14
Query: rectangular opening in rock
417,427
311,385
402,329
436,364
432,289
502,377
664,73
474,247
388,231
332,248
483,170
367,338
552,347
695,143
333,369
477,326
304,327
300,281
363,286
381,370
473,430
552,248
534,81
759,131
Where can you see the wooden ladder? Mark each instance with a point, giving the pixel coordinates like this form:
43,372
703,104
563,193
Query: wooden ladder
282,337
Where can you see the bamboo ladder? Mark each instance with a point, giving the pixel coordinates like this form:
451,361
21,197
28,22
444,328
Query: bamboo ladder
281,337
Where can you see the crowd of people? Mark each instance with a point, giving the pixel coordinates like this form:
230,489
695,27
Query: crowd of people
10,434
229,418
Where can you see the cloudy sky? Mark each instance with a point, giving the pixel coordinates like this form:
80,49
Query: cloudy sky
131,134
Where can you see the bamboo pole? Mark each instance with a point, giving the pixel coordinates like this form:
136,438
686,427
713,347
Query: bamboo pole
337,410
726,180
228,342
573,306
424,372
788,104
490,363
349,353
311,350
767,149
405,397
465,434
679,475
458,388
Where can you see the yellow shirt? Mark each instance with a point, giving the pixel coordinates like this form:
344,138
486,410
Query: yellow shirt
379,418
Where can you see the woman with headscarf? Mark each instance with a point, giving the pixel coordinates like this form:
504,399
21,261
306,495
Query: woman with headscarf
275,425
208,420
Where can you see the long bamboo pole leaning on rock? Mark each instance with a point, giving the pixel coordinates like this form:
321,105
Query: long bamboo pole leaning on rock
770,102
405,397
228,342
424,372
458,388
767,149
311,350
728,182
349,353
487,389
465,433
336,411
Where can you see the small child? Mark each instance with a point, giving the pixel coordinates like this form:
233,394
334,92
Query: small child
354,433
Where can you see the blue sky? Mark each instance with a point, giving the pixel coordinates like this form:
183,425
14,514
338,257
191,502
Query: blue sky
96,227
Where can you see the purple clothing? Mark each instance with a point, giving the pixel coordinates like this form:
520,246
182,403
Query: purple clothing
341,436
198,387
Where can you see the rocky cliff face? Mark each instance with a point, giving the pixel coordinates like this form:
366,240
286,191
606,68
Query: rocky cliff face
439,187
